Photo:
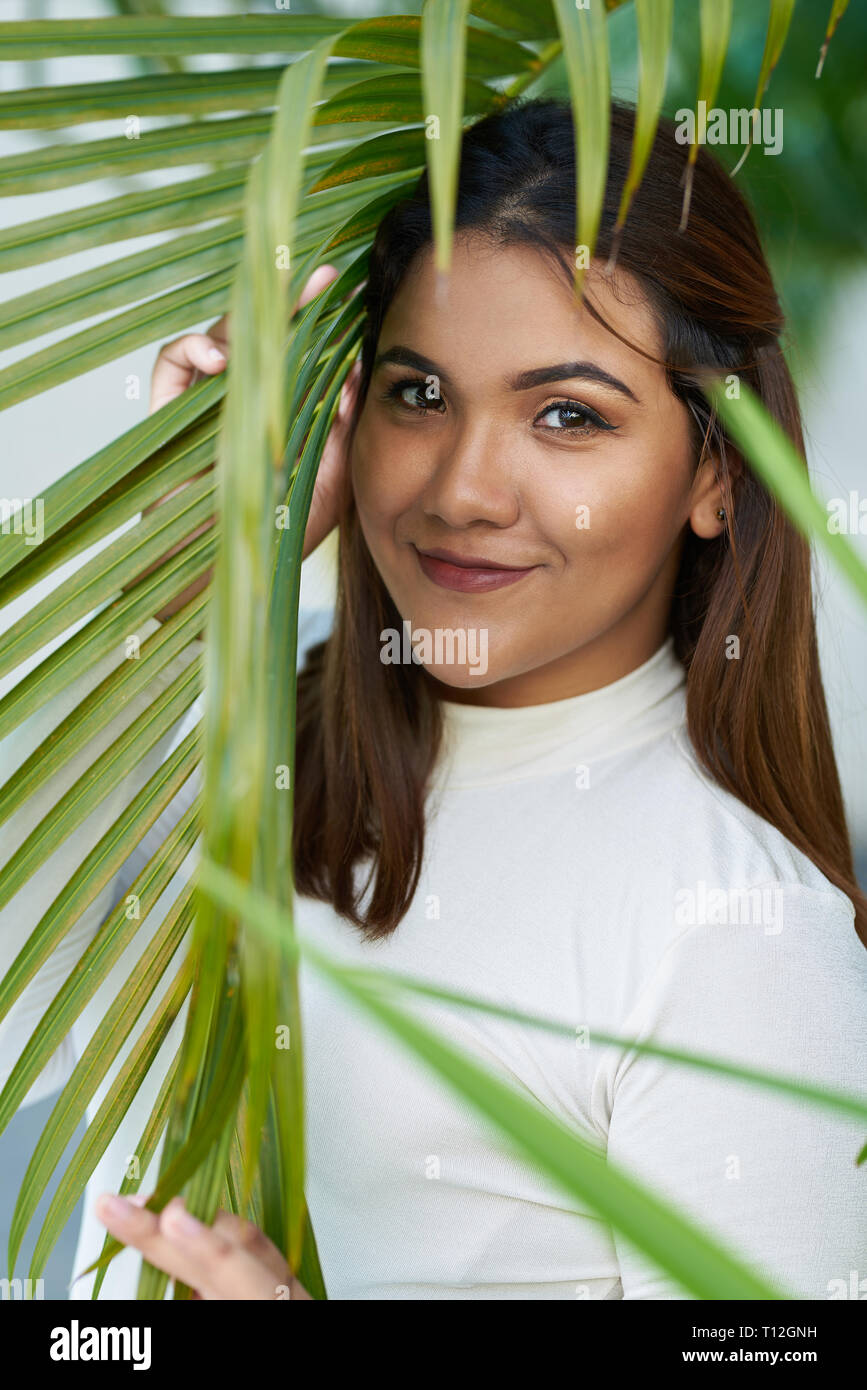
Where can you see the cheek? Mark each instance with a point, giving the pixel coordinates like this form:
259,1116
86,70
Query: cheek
383,484
617,510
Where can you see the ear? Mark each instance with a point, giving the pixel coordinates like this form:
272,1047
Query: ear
712,492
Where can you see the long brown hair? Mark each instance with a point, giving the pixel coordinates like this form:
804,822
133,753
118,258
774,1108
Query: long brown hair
368,734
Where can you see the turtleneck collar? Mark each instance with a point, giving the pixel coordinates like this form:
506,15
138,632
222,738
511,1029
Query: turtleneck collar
484,744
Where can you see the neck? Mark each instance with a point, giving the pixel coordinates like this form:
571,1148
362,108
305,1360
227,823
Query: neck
485,744
596,663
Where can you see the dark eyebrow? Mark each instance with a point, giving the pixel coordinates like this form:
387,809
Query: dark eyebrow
565,371
405,357
524,381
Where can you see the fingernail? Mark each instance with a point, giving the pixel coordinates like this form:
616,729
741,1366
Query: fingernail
116,1208
215,355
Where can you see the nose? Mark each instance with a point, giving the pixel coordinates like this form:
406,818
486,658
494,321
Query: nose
472,479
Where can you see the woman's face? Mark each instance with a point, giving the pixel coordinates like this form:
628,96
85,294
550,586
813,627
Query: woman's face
523,478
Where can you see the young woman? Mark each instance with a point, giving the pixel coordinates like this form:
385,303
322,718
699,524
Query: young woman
604,789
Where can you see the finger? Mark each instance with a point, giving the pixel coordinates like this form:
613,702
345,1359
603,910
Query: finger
220,1268
189,1251
194,350
349,392
248,1236
322,276
178,361
137,1227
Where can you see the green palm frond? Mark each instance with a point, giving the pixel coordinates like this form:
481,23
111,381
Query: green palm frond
716,24
654,19
838,9
303,155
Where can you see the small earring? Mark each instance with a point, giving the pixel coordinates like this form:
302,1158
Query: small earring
721,513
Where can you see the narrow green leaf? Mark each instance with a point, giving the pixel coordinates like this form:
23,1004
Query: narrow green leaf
265,915
157,317
177,463
655,21
276,875
391,39
230,141
236,1179
251,447
309,404
382,154
182,93
116,931
585,44
157,35
97,710
838,9
118,219
111,569
323,211
399,99
778,27
273,1216
121,281
779,21
105,633
696,1261
222,1099
97,781
443,61
716,24
164,94
144,1151
532,19
86,485
105,341
207,1181
95,1061
131,278
783,471
102,1129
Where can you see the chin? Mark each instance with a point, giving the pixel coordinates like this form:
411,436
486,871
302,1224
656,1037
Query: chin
462,677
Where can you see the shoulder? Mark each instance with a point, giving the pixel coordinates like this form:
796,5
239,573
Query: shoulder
799,960
678,854
785,994
697,856
703,832
730,935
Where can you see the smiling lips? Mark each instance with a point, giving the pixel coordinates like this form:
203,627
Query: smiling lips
469,574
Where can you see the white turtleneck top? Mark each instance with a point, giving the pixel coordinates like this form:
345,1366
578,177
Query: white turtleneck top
580,866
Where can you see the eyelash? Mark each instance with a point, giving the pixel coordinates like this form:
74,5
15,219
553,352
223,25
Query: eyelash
396,388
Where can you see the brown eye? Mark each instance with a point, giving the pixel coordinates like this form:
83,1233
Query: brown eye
410,395
412,392
569,417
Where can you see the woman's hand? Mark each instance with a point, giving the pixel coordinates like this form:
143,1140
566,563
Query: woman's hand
180,363
232,1259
